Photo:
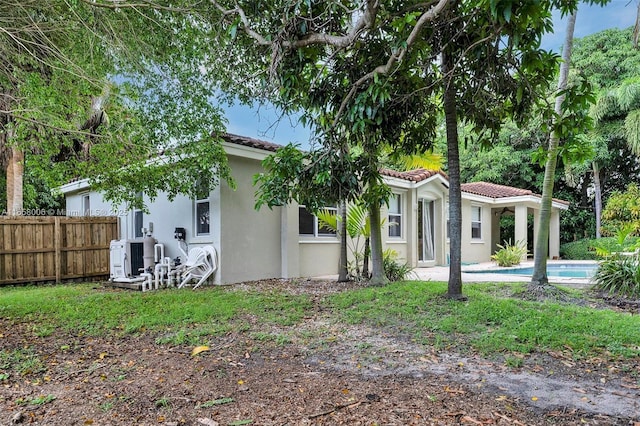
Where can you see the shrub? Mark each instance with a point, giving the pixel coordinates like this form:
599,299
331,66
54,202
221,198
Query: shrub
619,275
578,250
510,255
394,270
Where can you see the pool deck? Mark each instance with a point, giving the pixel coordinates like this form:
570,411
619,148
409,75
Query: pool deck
441,273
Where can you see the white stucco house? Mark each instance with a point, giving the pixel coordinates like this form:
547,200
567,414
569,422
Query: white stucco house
286,242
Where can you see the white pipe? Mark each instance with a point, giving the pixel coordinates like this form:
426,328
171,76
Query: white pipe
157,258
147,280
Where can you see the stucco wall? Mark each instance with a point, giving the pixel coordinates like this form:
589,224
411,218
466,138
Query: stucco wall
250,239
475,250
319,257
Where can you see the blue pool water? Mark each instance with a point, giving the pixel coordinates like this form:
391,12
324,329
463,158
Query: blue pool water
566,270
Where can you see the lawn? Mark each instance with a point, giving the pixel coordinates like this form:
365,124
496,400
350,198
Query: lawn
285,352
489,322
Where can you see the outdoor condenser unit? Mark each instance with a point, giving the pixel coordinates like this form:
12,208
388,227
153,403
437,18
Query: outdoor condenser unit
126,258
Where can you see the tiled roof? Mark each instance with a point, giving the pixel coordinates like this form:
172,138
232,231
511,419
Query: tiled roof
417,175
250,142
493,190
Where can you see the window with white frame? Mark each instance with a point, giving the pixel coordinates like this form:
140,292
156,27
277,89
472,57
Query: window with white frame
395,215
202,210
86,205
309,225
476,222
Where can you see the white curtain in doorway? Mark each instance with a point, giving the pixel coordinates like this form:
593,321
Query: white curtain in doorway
427,230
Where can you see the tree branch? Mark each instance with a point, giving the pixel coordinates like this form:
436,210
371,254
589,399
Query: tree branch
120,4
396,56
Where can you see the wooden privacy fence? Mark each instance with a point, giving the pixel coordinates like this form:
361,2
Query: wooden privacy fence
54,248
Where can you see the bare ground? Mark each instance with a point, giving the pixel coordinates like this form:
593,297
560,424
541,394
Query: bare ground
318,373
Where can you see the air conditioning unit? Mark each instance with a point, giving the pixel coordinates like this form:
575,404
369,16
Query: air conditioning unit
126,259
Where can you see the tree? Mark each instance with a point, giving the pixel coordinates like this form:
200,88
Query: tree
623,211
59,58
607,58
568,118
362,68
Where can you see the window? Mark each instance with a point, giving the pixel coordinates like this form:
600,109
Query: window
202,210
476,222
86,205
308,223
395,215
138,219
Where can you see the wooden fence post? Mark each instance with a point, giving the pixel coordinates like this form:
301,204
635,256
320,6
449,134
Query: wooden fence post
57,241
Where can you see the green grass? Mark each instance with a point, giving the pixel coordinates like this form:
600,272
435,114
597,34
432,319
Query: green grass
488,322
188,316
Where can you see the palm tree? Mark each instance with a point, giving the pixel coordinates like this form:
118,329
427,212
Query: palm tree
541,251
616,114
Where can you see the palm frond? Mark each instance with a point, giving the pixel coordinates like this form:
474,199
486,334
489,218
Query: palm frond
357,220
632,131
328,219
629,94
428,161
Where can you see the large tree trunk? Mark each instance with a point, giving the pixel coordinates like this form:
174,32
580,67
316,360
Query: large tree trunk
343,271
598,197
541,251
15,173
378,276
454,289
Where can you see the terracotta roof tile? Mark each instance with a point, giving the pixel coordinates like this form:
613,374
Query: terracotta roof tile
493,190
250,142
417,175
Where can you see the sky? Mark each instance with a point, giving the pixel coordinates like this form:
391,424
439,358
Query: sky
264,122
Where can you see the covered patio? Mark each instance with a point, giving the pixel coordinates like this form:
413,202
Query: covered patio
521,203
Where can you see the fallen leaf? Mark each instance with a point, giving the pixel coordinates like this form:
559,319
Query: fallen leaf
345,391
501,398
458,391
208,422
199,349
102,355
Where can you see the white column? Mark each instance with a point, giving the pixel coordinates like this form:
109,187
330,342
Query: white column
554,234
536,226
521,225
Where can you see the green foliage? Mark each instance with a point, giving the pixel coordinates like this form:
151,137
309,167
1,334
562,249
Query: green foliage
314,179
214,402
622,242
578,250
359,232
96,94
619,275
393,269
622,210
510,254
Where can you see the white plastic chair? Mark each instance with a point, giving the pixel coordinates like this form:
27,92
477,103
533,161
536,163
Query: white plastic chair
201,263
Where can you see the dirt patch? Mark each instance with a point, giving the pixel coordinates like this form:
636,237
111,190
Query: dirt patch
322,374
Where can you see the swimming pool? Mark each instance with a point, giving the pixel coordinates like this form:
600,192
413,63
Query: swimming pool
564,270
